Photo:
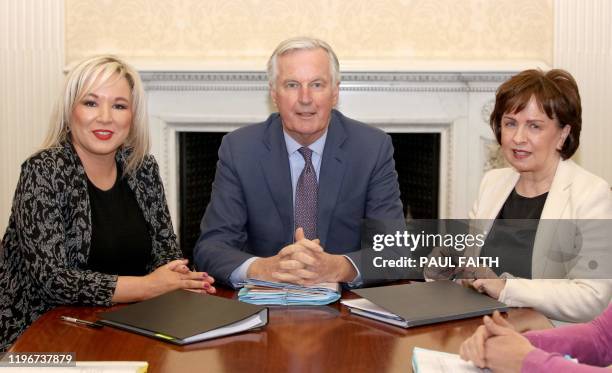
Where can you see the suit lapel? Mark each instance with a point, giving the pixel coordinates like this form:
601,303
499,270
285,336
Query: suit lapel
558,196
556,203
275,165
333,166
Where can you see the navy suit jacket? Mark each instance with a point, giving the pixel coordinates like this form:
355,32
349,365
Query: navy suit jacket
251,208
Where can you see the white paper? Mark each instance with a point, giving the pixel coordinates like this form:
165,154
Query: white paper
86,367
430,361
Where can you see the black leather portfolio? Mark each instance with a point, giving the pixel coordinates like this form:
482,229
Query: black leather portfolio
184,317
423,303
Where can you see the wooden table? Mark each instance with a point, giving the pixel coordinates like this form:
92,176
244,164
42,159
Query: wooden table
296,339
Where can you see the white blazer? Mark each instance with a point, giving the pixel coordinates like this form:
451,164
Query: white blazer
576,203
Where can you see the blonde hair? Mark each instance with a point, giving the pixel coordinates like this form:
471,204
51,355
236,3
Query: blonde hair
85,77
302,43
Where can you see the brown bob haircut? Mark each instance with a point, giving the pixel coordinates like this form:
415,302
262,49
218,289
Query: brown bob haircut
555,91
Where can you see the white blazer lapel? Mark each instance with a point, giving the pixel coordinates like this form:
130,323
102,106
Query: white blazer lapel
557,206
559,194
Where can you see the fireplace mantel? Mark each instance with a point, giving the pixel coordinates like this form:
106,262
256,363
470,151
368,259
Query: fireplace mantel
455,104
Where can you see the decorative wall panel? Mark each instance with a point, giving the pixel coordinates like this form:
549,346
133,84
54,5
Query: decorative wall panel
357,29
31,62
583,46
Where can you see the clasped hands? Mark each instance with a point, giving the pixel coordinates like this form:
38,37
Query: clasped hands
496,345
176,275
304,262
168,277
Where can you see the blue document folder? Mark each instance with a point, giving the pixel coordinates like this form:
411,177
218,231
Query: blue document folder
283,294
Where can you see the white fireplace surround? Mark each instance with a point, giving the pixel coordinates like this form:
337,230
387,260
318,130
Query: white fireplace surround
455,104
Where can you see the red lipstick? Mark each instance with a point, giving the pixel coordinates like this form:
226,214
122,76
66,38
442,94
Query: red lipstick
103,134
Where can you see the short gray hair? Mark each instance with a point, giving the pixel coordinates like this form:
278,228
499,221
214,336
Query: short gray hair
302,43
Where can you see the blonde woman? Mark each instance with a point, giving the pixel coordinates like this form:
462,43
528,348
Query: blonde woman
89,223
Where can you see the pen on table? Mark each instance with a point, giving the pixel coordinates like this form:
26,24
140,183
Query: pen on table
90,324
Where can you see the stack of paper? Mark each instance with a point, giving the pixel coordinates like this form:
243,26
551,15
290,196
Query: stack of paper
283,294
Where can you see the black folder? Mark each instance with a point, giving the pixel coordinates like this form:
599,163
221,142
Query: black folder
425,303
183,317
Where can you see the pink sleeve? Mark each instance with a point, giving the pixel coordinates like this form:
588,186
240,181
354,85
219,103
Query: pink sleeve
541,361
590,343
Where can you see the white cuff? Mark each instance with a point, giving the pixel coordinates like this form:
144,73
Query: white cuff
357,281
239,275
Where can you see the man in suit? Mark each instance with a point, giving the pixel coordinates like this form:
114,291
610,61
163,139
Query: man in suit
290,193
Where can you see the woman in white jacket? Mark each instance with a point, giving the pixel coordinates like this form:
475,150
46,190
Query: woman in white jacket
537,122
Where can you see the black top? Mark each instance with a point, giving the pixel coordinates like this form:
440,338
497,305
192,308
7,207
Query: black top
120,240
513,234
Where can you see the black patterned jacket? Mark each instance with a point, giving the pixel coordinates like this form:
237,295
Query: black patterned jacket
46,245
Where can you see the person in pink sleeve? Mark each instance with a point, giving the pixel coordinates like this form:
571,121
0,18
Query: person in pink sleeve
576,348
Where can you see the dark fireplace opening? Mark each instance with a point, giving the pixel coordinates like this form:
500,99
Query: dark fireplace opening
417,161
